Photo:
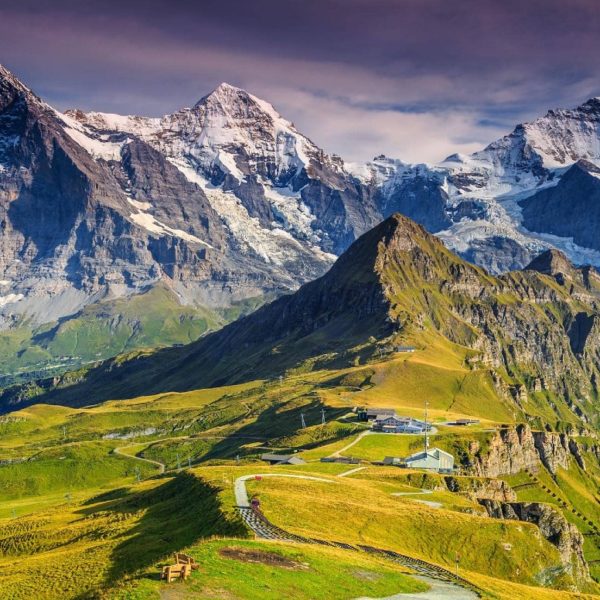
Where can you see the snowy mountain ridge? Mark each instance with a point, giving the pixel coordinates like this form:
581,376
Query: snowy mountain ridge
227,200
486,191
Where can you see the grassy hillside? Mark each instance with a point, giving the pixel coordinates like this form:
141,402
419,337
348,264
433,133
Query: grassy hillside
270,571
153,319
75,549
144,459
71,456
502,348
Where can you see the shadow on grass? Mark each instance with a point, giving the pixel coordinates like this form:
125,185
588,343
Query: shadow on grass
176,514
275,423
115,494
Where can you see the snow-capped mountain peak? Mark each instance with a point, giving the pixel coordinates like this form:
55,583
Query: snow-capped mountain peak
486,192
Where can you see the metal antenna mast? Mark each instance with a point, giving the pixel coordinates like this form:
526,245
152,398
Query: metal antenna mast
426,427
302,421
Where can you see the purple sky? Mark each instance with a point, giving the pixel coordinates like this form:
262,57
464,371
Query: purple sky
414,79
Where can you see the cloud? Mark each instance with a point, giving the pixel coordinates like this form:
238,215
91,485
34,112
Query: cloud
358,134
417,79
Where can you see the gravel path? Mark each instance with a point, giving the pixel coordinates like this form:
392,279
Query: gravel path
351,471
359,437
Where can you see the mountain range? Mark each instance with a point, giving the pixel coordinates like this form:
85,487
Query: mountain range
226,203
530,339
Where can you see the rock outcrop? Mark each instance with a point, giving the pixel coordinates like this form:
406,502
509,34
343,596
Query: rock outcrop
496,490
515,449
552,525
510,451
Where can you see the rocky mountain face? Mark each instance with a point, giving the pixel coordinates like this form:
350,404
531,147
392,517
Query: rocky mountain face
532,190
553,526
394,285
227,201
516,449
222,202
256,168
570,209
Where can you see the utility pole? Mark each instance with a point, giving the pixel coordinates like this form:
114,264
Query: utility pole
189,462
302,421
426,427
322,416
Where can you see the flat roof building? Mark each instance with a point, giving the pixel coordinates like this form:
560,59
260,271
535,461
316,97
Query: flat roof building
396,424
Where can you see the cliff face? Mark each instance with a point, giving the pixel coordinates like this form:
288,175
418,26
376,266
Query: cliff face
515,449
480,489
552,525
569,209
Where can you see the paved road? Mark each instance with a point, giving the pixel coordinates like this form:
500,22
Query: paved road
447,584
241,495
438,590
418,493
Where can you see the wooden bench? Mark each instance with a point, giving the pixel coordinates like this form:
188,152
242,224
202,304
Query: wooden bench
182,569
173,572
186,559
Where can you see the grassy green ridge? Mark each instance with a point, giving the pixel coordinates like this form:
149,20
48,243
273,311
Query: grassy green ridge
396,285
152,319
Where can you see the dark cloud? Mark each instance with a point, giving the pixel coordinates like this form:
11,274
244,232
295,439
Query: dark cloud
455,71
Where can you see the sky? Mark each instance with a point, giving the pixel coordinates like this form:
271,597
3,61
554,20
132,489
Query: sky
412,79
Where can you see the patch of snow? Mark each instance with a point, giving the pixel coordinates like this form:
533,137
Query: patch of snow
96,147
143,206
291,210
150,223
10,299
228,164
275,245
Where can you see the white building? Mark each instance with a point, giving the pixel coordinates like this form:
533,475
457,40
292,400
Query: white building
432,459
395,424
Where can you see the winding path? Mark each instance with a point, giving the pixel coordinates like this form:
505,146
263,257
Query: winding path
161,466
444,583
359,437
